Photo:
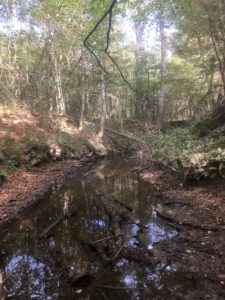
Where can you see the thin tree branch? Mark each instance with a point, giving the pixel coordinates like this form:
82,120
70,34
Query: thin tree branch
76,64
108,12
121,73
108,32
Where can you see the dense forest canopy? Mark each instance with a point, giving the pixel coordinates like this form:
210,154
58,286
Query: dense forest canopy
155,60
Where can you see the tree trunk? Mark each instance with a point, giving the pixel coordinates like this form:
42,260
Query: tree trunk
82,105
59,97
162,100
139,27
104,108
216,45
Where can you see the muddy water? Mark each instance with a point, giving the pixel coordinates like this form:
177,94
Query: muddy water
31,268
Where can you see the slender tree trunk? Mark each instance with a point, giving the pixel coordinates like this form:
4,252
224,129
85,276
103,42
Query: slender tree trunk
59,97
139,33
216,46
104,108
82,105
88,103
162,100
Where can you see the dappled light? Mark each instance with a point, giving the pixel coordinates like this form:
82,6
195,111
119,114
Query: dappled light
112,149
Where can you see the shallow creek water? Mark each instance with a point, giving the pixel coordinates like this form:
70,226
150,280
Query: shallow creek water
29,270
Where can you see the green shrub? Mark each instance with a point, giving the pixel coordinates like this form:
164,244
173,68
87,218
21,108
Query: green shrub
210,121
175,144
64,145
12,150
12,164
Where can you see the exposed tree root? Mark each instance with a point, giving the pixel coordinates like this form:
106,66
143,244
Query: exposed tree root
185,224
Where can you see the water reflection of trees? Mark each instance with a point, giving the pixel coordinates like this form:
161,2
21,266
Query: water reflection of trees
27,274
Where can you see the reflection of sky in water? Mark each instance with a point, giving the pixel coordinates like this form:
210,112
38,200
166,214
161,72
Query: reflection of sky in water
134,229
155,276
157,232
133,242
100,223
25,271
27,278
130,280
95,224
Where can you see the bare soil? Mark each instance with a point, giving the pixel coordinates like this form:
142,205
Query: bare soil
198,213
26,187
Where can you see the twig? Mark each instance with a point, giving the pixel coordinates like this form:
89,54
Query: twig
104,296
117,254
119,288
107,238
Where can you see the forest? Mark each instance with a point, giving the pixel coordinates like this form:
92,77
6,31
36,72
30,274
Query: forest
112,149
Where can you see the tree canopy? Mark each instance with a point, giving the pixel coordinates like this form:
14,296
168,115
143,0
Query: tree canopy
158,60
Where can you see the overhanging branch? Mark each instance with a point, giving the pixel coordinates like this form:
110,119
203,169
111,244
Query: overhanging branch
108,12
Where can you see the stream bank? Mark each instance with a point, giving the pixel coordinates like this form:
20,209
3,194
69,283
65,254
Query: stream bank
26,187
172,244
179,251
197,212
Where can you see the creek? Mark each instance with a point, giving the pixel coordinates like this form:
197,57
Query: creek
30,267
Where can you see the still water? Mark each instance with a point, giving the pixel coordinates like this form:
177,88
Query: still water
30,268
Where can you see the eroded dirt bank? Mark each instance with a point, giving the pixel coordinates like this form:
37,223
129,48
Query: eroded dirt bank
197,212
26,186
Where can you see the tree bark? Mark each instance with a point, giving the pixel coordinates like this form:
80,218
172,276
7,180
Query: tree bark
59,97
139,27
162,100
104,108
216,45
82,111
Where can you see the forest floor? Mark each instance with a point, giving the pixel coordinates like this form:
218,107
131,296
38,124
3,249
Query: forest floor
25,187
39,152
196,211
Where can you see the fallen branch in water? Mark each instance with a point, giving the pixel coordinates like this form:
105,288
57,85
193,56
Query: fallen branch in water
119,288
107,238
46,232
139,169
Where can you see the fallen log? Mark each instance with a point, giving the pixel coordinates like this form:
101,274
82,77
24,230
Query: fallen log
139,169
81,281
124,135
140,256
120,288
185,224
46,233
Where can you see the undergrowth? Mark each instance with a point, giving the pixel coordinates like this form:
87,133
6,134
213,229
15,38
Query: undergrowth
205,156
